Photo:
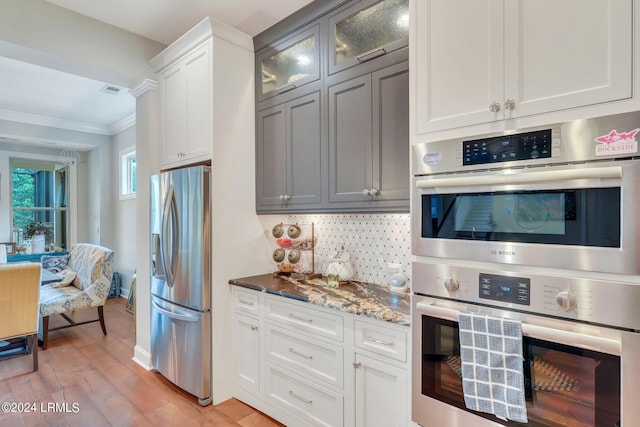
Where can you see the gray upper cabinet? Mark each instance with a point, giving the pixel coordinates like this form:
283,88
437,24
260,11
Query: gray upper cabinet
350,151
369,141
334,136
366,30
290,64
288,172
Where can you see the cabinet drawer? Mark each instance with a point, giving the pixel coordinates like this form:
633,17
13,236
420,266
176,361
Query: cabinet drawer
305,319
382,340
247,302
324,407
320,360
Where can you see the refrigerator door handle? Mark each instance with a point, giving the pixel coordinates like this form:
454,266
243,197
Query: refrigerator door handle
169,260
156,258
177,316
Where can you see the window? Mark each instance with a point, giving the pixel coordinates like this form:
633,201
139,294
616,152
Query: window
39,201
128,174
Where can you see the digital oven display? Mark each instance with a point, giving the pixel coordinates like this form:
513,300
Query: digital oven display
515,290
524,146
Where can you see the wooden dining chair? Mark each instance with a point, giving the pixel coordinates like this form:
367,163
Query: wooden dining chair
19,305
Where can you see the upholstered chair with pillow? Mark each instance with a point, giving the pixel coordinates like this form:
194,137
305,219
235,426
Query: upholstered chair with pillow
86,282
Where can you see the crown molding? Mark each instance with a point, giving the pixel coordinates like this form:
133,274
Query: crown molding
123,124
35,119
147,85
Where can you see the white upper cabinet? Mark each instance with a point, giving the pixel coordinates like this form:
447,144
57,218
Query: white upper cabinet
186,112
203,91
485,60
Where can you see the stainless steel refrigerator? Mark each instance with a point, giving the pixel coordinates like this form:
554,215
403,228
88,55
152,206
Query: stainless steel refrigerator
181,279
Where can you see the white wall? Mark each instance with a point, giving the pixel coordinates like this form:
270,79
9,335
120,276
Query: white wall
39,32
147,155
236,229
82,189
123,215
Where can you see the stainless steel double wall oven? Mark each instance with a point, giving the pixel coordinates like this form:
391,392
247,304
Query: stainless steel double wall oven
540,226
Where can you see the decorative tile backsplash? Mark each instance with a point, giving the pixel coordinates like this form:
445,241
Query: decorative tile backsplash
373,240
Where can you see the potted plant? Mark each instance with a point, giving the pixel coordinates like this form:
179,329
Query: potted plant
39,233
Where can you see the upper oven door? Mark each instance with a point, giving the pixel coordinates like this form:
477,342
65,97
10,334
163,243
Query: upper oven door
570,216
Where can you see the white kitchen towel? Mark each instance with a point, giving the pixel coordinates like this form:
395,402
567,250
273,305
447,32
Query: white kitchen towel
492,369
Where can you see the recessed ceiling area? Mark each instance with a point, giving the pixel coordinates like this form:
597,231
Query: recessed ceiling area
43,96
38,95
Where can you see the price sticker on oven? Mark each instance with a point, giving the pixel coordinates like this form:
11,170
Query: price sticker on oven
617,143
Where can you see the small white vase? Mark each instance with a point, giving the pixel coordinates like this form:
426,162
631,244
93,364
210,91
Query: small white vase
37,244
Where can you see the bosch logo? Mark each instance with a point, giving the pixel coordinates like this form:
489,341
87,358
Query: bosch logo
503,253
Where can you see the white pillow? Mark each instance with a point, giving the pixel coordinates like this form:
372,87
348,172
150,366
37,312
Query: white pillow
68,278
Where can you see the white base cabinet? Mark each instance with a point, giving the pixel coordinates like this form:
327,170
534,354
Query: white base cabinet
381,392
247,338
306,365
295,393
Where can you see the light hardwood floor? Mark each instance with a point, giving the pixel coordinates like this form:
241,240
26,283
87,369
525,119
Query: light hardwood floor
95,382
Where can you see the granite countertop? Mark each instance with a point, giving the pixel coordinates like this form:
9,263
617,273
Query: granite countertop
363,299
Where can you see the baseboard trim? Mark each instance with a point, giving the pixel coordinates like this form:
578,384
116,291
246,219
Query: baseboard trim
142,358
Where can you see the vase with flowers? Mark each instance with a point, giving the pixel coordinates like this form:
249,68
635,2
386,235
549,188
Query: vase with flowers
39,233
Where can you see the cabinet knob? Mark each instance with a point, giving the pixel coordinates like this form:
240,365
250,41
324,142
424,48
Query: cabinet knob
374,192
494,107
366,192
356,365
509,104
284,197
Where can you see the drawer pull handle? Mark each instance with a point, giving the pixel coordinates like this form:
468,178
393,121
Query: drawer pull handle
307,401
297,353
245,302
293,316
387,343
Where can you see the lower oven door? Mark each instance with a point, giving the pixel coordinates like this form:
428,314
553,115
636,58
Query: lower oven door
573,372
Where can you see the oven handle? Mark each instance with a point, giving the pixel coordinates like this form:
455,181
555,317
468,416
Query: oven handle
589,342
522,178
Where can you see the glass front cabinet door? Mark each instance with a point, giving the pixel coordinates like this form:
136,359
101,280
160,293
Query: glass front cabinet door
291,63
366,31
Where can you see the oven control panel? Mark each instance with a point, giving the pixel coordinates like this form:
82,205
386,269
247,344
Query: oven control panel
516,290
609,301
523,146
